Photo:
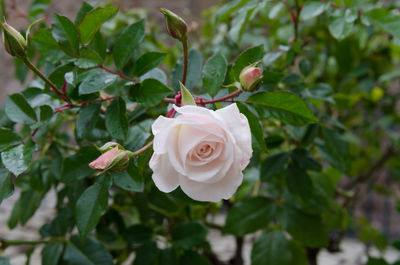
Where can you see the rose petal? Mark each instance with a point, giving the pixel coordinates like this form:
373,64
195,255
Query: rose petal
240,129
161,129
164,175
103,161
224,189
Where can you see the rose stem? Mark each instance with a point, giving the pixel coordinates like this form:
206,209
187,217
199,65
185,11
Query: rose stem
185,58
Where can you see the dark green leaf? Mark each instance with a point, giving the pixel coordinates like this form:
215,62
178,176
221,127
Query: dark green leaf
150,93
25,207
246,58
386,20
45,113
189,234
88,252
87,119
51,253
92,21
58,74
90,207
272,248
19,110
298,182
18,158
138,234
168,256
335,150
130,179
377,261
116,121
6,185
193,258
273,165
285,106
85,8
308,229
227,9
214,72
148,61
194,70
88,59
312,9
8,137
66,35
305,67
37,7
127,42
146,254
303,159
255,127
249,215
95,81
76,166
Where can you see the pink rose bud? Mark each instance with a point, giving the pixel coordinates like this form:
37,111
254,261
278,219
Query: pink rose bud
250,78
14,43
114,159
176,26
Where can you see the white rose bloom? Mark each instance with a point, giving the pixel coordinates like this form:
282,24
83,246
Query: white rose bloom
201,150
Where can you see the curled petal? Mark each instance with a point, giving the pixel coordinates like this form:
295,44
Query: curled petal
164,176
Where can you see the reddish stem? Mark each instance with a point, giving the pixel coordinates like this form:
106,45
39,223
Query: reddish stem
200,101
117,73
62,108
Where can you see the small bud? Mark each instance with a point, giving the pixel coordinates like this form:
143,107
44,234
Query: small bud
115,159
250,78
14,42
176,26
108,146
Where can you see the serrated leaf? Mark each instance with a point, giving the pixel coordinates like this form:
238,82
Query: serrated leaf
273,165
138,234
285,106
312,9
45,113
249,215
255,127
116,120
88,59
148,61
25,207
385,19
246,58
298,181
85,8
6,185
150,93
227,9
51,253
66,35
127,42
19,110
90,206
130,179
339,28
76,166
214,72
88,116
189,234
95,81
8,137
92,21
18,158
146,254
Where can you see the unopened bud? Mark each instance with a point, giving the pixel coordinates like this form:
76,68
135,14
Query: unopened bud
176,26
115,159
250,78
14,42
109,146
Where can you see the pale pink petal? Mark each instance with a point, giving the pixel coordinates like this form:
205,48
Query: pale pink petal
161,129
224,189
164,175
103,161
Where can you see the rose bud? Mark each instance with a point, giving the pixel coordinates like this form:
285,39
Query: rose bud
250,78
115,159
202,151
14,42
176,26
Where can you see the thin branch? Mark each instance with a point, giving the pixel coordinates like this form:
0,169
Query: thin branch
117,73
185,59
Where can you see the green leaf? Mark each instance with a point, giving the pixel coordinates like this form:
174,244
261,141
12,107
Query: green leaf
37,7
307,229
18,158
88,116
6,185
214,72
312,9
58,75
227,9
168,256
25,207
116,121
8,137
305,67
90,207
88,252
272,248
246,58
76,166
146,254
273,165
85,8
66,35
339,28
240,21
187,98
88,59
138,234
45,113
385,19
249,215
19,110
130,179
193,258
150,93
194,70
189,234
51,253
148,61
285,106
298,182
127,42
92,21
255,127
95,81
